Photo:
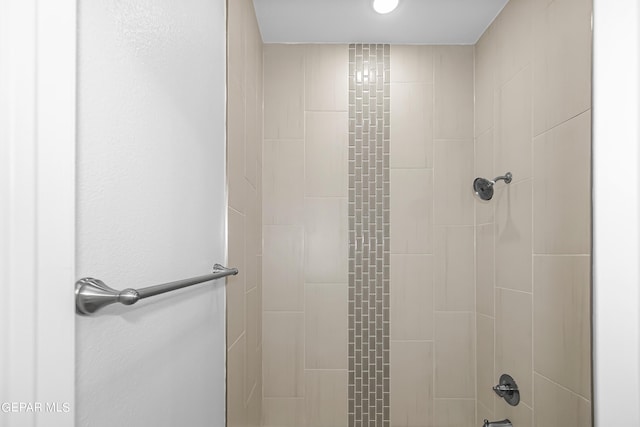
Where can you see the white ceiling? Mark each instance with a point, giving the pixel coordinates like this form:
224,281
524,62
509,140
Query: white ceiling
351,21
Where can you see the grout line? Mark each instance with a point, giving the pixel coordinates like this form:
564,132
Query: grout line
560,124
561,386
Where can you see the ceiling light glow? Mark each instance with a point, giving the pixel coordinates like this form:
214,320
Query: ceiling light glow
384,6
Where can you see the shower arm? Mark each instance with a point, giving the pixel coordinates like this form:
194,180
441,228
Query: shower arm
506,178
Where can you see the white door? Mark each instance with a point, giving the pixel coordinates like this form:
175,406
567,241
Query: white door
126,185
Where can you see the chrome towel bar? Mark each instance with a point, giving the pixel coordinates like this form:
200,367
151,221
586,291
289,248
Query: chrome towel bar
93,294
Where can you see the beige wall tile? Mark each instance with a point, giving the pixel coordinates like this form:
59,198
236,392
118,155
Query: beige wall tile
561,324
513,332
326,154
253,138
253,360
556,406
283,182
283,412
453,92
236,41
254,408
283,268
283,91
484,361
485,269
326,77
485,70
512,152
252,236
453,182
236,413
283,354
562,192
455,413
513,236
562,61
325,398
454,272
512,31
236,132
236,284
455,355
326,326
411,299
411,384
484,168
411,125
411,203
326,240
411,64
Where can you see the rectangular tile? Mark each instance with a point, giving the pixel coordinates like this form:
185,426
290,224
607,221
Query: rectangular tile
558,406
412,125
412,211
484,168
485,269
284,91
513,332
455,413
236,284
453,179
283,412
325,398
283,268
513,236
326,77
411,289
326,326
326,240
283,182
326,153
411,384
484,361
453,91
283,354
513,131
562,190
454,272
455,355
236,356
561,61
561,321
412,64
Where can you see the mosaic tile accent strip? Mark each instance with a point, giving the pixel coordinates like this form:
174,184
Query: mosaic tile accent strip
369,235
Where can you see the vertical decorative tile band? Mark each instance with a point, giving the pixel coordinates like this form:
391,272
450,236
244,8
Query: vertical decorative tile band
369,235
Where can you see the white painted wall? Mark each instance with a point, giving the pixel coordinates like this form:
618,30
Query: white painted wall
151,203
616,187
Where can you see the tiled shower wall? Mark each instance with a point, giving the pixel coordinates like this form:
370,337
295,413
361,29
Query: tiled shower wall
432,237
533,243
513,272
244,177
305,235
432,301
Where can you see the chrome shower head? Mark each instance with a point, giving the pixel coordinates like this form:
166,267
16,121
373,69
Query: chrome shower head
484,187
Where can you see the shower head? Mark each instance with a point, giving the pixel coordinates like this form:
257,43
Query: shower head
484,187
